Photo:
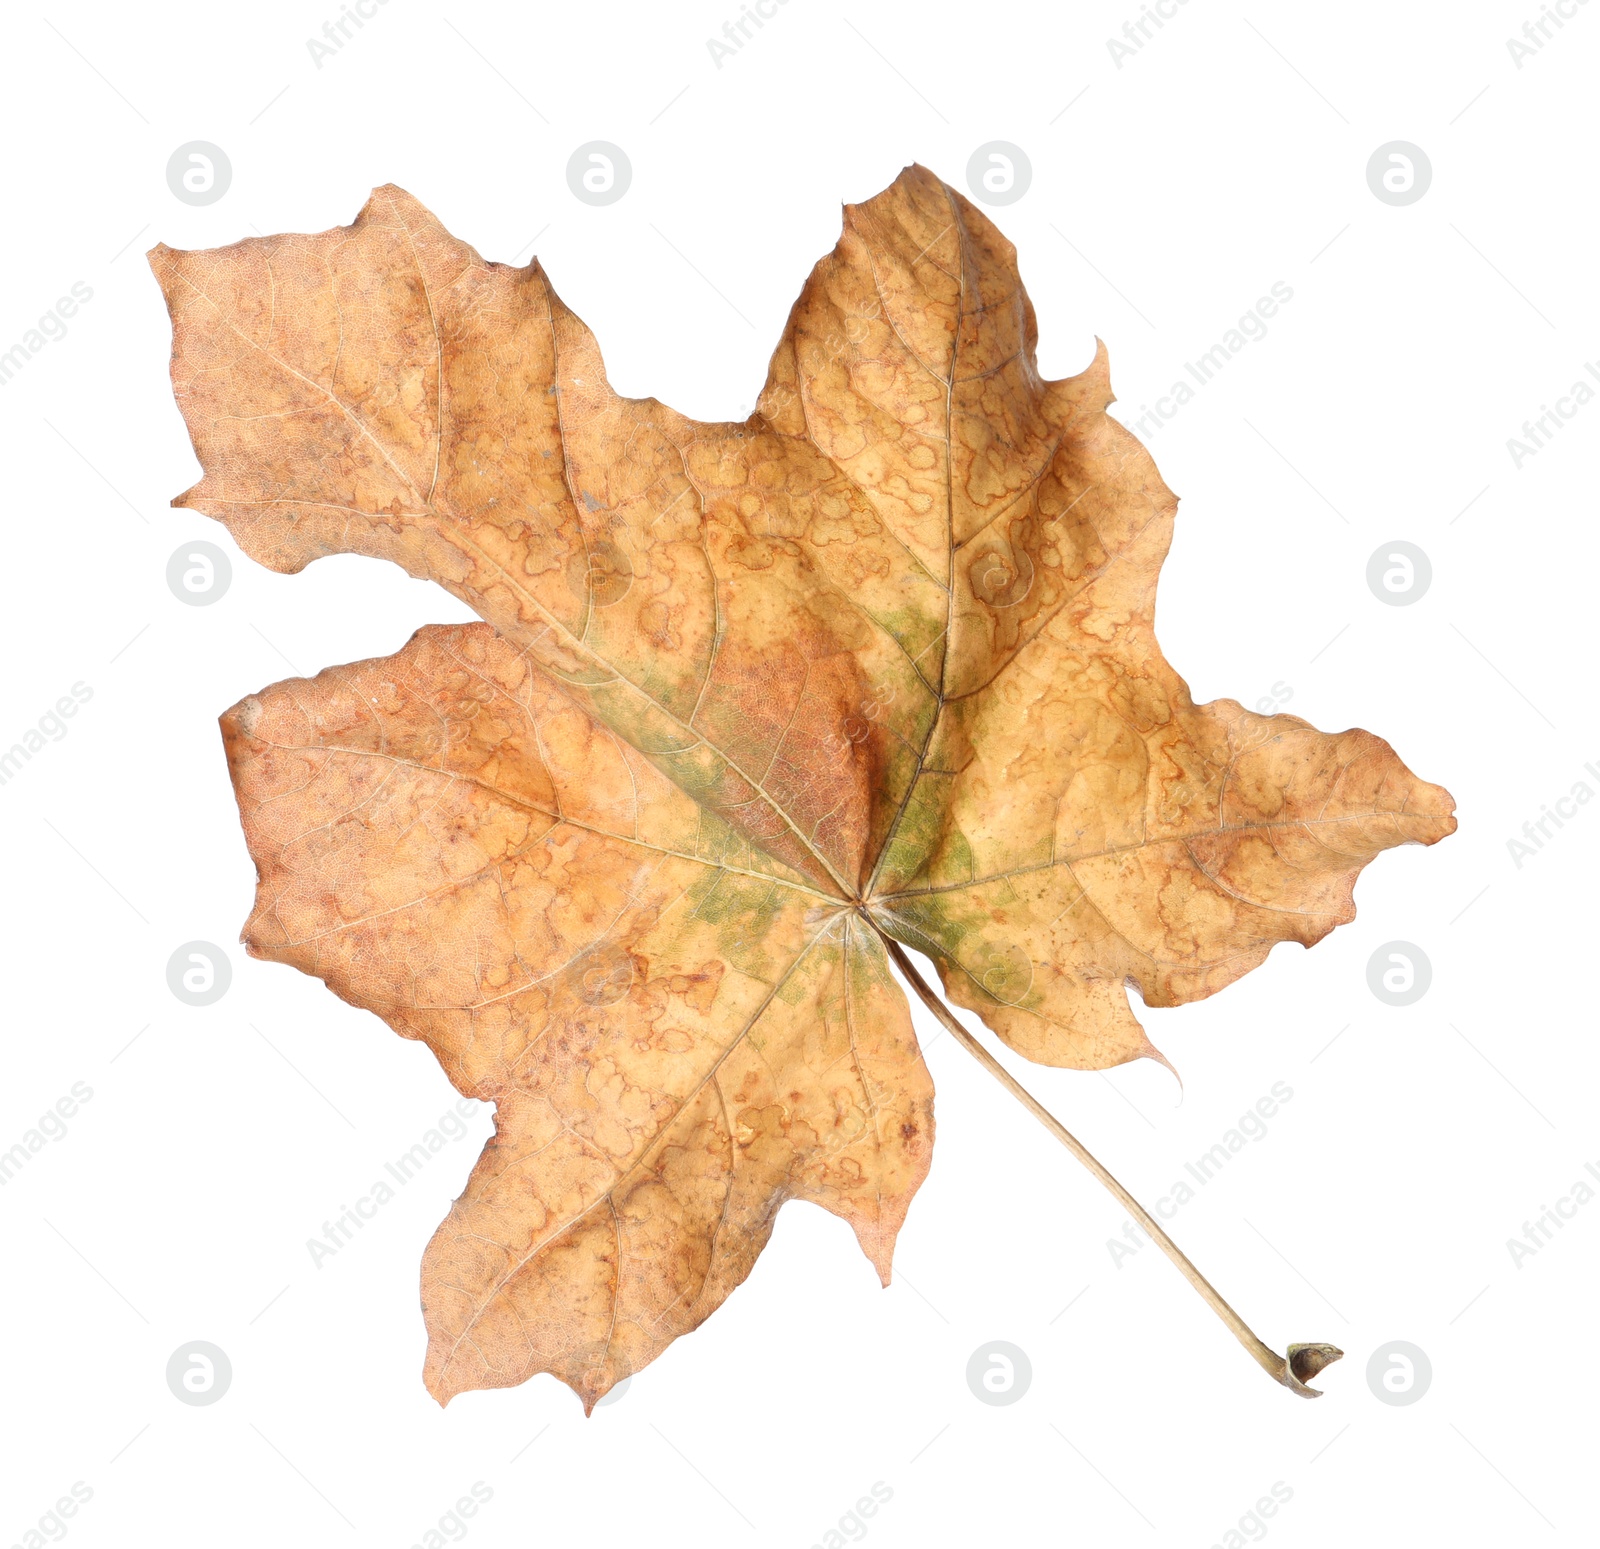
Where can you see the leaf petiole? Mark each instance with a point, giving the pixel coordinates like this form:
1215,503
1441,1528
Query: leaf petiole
1302,1362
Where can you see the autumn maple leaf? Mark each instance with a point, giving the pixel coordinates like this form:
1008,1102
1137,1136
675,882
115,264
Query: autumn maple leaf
752,706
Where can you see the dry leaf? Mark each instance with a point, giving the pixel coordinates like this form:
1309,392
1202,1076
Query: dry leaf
877,663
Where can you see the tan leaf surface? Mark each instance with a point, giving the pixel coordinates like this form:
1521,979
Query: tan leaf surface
878,662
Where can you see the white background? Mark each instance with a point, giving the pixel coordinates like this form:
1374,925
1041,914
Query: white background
1167,195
